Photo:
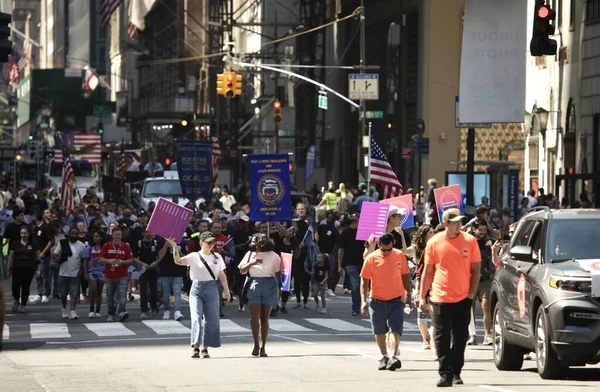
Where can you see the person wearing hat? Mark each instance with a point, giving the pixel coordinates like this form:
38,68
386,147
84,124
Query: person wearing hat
452,271
206,267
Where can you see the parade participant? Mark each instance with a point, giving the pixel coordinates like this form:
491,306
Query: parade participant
94,272
23,263
70,255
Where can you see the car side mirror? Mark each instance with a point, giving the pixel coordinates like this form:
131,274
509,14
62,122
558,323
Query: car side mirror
521,253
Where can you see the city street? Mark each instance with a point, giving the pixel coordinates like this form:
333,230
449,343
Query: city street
307,351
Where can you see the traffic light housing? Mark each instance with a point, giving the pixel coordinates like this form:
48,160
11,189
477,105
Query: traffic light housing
5,43
220,89
277,117
100,128
229,84
237,87
543,18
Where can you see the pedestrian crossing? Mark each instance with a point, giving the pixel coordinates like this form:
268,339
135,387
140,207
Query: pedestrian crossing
43,331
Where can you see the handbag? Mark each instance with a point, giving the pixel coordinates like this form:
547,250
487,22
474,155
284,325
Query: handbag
210,271
247,284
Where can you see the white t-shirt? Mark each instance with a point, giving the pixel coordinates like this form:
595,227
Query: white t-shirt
197,269
71,267
271,264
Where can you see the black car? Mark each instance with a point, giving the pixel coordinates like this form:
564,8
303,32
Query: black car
543,299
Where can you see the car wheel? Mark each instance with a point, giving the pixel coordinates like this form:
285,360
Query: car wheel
548,364
506,356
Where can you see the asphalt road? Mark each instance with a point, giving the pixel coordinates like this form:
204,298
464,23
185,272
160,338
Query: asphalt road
307,351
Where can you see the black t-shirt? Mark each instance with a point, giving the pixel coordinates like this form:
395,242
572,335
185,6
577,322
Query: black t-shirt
42,235
241,243
328,236
147,252
24,255
13,231
353,248
487,267
320,272
167,267
282,247
301,229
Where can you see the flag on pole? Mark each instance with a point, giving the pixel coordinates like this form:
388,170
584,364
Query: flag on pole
122,168
381,172
216,159
87,145
107,8
138,9
67,185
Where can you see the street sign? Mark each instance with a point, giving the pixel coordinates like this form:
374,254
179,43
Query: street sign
406,153
322,101
421,145
374,115
420,126
100,111
363,86
458,124
286,133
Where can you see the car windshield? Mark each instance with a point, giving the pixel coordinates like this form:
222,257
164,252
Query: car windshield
28,172
573,239
80,168
162,188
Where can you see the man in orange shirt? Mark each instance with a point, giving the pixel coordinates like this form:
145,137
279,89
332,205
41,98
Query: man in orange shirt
452,270
384,284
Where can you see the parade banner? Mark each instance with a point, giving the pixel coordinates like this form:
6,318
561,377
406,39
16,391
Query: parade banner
286,271
194,166
169,220
373,220
448,197
309,167
270,187
404,204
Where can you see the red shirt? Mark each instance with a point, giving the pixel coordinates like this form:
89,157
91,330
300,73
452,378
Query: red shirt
220,240
119,252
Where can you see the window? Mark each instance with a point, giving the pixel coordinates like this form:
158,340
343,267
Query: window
80,168
162,188
573,238
592,13
523,235
572,13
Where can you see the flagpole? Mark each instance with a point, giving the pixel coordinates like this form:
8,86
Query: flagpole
369,160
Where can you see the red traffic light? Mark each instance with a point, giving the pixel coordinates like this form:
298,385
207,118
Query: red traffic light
277,105
167,162
570,170
543,12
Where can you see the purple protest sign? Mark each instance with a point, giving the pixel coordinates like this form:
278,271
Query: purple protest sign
373,220
169,220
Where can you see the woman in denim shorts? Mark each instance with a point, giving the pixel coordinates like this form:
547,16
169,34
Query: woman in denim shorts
94,273
262,265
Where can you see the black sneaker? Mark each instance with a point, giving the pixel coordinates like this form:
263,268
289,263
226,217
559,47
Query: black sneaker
457,380
383,363
445,382
394,363
283,310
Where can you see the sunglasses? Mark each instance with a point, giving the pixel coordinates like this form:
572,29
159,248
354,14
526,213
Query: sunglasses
386,250
210,242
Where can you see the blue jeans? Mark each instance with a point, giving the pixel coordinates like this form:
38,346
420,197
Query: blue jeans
171,283
45,279
204,301
353,273
118,286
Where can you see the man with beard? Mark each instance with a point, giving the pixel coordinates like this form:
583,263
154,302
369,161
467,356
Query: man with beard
70,254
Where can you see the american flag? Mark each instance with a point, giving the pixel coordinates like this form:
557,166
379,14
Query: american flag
67,184
107,7
122,169
380,172
216,159
87,146
132,30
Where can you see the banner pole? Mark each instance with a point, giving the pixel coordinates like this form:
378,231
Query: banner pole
369,162
268,143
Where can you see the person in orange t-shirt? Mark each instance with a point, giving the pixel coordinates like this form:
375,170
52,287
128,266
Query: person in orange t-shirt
452,270
384,284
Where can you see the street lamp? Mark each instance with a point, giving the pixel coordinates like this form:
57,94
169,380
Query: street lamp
542,115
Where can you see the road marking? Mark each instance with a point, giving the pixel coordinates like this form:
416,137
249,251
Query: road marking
337,325
292,339
109,329
228,326
6,333
493,388
281,325
167,327
358,352
49,331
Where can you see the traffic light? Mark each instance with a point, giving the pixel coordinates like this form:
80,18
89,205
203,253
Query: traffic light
30,136
100,128
229,84
543,17
220,78
237,88
184,123
277,117
5,43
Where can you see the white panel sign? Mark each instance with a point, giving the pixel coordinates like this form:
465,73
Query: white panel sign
363,86
493,62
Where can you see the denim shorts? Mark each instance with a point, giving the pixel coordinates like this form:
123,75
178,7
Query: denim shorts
263,291
386,316
98,275
318,286
69,285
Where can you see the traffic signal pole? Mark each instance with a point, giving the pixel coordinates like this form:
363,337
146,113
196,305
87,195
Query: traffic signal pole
362,103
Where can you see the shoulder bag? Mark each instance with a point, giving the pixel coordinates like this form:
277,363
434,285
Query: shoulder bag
210,271
246,285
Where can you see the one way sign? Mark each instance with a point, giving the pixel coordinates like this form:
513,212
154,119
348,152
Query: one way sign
363,86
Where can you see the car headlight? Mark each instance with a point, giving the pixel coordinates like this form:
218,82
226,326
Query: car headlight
575,285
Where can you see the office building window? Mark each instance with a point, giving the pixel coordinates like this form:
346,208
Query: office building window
592,12
572,13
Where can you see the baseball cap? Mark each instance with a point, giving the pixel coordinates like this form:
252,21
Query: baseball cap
243,217
452,215
223,216
207,236
394,211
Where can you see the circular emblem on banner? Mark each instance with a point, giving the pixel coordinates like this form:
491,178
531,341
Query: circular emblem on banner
270,189
403,211
449,199
521,288
595,266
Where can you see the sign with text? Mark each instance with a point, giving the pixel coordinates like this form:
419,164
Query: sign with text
405,204
373,220
194,166
448,197
493,62
169,220
270,187
363,86
286,270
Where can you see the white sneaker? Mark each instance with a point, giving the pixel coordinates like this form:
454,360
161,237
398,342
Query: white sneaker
92,315
73,315
346,291
35,300
143,316
65,313
178,316
330,293
110,318
166,315
45,299
97,315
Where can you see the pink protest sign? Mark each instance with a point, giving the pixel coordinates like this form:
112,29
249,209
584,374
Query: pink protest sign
448,197
286,270
404,204
169,220
373,220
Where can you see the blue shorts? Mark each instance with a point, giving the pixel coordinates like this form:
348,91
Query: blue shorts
318,286
96,276
263,291
386,316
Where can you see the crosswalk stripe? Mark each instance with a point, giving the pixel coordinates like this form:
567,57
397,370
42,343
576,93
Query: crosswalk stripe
228,326
6,333
408,326
337,325
49,330
109,329
167,327
280,325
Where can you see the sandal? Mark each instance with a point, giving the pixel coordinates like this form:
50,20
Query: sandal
204,353
263,354
255,351
196,353
22,309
